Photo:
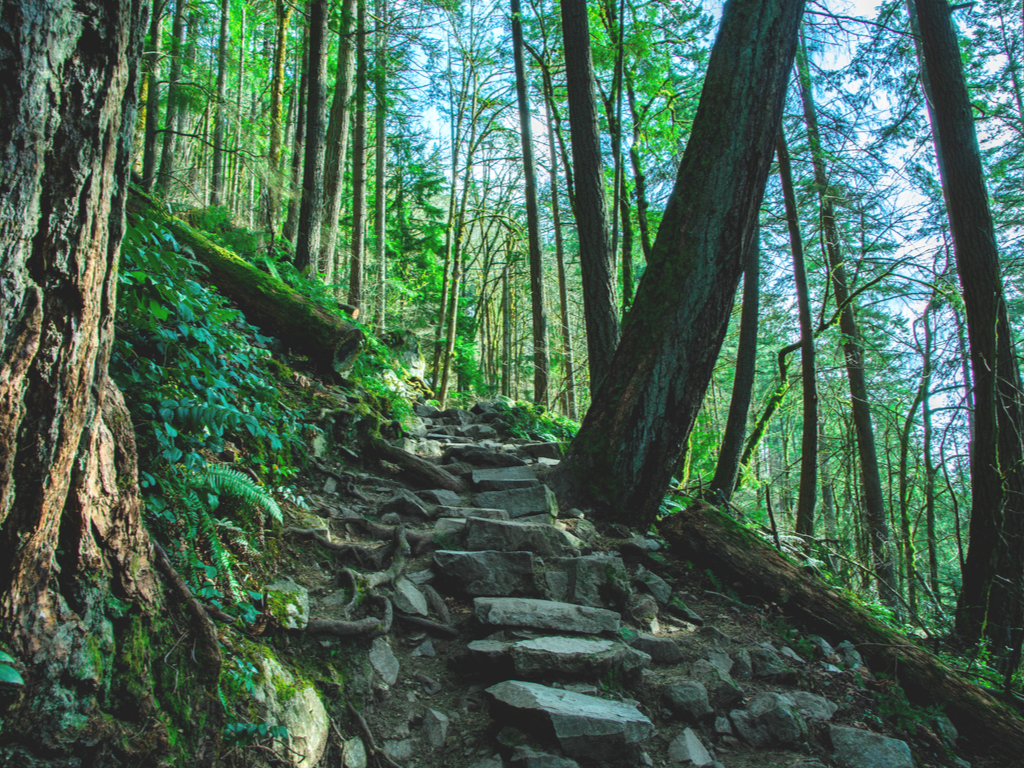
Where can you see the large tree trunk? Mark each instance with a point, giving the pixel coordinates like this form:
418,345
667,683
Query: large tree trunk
69,500
358,256
282,15
597,260
328,340
541,364
152,90
738,557
220,128
380,165
311,206
165,176
992,574
622,459
290,231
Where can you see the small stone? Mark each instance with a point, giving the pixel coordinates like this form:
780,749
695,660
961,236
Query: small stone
855,748
404,504
851,656
722,726
741,664
686,748
400,750
353,754
715,635
688,699
789,653
769,719
822,648
722,660
767,664
288,603
654,584
946,730
330,485
722,691
440,496
812,706
426,648
384,661
662,650
391,518
435,727
408,598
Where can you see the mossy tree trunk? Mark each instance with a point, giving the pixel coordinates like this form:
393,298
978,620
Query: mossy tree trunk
75,560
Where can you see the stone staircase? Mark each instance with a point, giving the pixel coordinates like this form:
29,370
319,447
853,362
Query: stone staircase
525,638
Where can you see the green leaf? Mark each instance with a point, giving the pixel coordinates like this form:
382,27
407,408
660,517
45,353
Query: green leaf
6,658
10,675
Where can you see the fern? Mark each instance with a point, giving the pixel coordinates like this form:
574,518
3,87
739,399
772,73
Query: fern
230,481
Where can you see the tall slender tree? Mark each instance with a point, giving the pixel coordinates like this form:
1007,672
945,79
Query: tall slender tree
312,205
220,117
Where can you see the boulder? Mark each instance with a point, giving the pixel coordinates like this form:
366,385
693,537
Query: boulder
457,416
425,411
510,536
288,603
688,699
504,478
479,431
653,583
440,496
287,700
722,691
855,748
487,572
404,504
521,501
662,650
687,748
767,664
544,614
585,727
481,457
811,706
769,720
599,581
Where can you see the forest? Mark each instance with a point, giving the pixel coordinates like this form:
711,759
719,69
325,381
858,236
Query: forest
756,269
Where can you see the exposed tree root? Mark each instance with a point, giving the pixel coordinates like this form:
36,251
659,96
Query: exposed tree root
418,470
369,627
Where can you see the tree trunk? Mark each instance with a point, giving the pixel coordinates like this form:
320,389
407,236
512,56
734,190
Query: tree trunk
381,161
639,179
597,261
541,362
622,459
355,280
152,75
328,340
990,601
311,208
853,350
337,138
282,15
72,543
809,436
727,468
709,539
220,121
166,173
290,231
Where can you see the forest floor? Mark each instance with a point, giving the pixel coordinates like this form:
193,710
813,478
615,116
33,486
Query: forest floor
421,687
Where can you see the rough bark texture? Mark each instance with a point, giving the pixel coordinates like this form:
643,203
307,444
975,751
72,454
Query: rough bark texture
71,538
622,459
152,96
709,539
597,261
328,340
312,205
357,258
220,129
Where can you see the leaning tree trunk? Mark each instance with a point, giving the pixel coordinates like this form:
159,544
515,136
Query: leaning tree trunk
738,557
75,559
622,459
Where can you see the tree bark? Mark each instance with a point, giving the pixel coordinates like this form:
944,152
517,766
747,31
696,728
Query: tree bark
355,279
165,176
282,15
220,121
152,88
72,541
738,557
380,164
990,601
328,340
290,231
597,261
538,302
622,459
311,207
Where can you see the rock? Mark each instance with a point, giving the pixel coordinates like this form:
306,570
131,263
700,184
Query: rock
504,478
391,518
483,406
722,691
544,614
353,753
654,584
851,656
521,501
722,726
643,608
405,504
766,664
769,719
288,603
400,750
576,658
543,450
822,648
599,581
527,757
481,457
812,706
457,416
715,636
511,536
415,426
427,447
330,485
722,660
440,496
790,654
488,573
464,512
479,431
426,411
686,748
688,699
435,727
294,703
425,649
407,597
855,748
741,664
662,650
449,532
946,730
586,727
384,661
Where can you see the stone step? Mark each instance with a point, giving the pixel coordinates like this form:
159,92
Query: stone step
557,657
512,536
520,501
544,615
481,457
585,727
504,479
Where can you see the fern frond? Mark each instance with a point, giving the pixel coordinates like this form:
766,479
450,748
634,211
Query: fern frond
233,483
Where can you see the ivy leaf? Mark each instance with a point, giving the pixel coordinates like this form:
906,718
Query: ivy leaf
10,676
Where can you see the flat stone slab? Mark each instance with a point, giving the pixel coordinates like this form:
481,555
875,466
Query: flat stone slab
407,597
687,748
521,501
662,650
543,450
855,748
404,504
464,512
510,536
599,581
481,457
487,573
575,658
504,478
585,727
441,496
544,614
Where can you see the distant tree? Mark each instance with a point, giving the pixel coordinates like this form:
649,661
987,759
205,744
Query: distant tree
312,204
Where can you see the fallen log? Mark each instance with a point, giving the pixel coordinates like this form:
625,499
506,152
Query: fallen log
710,539
325,337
